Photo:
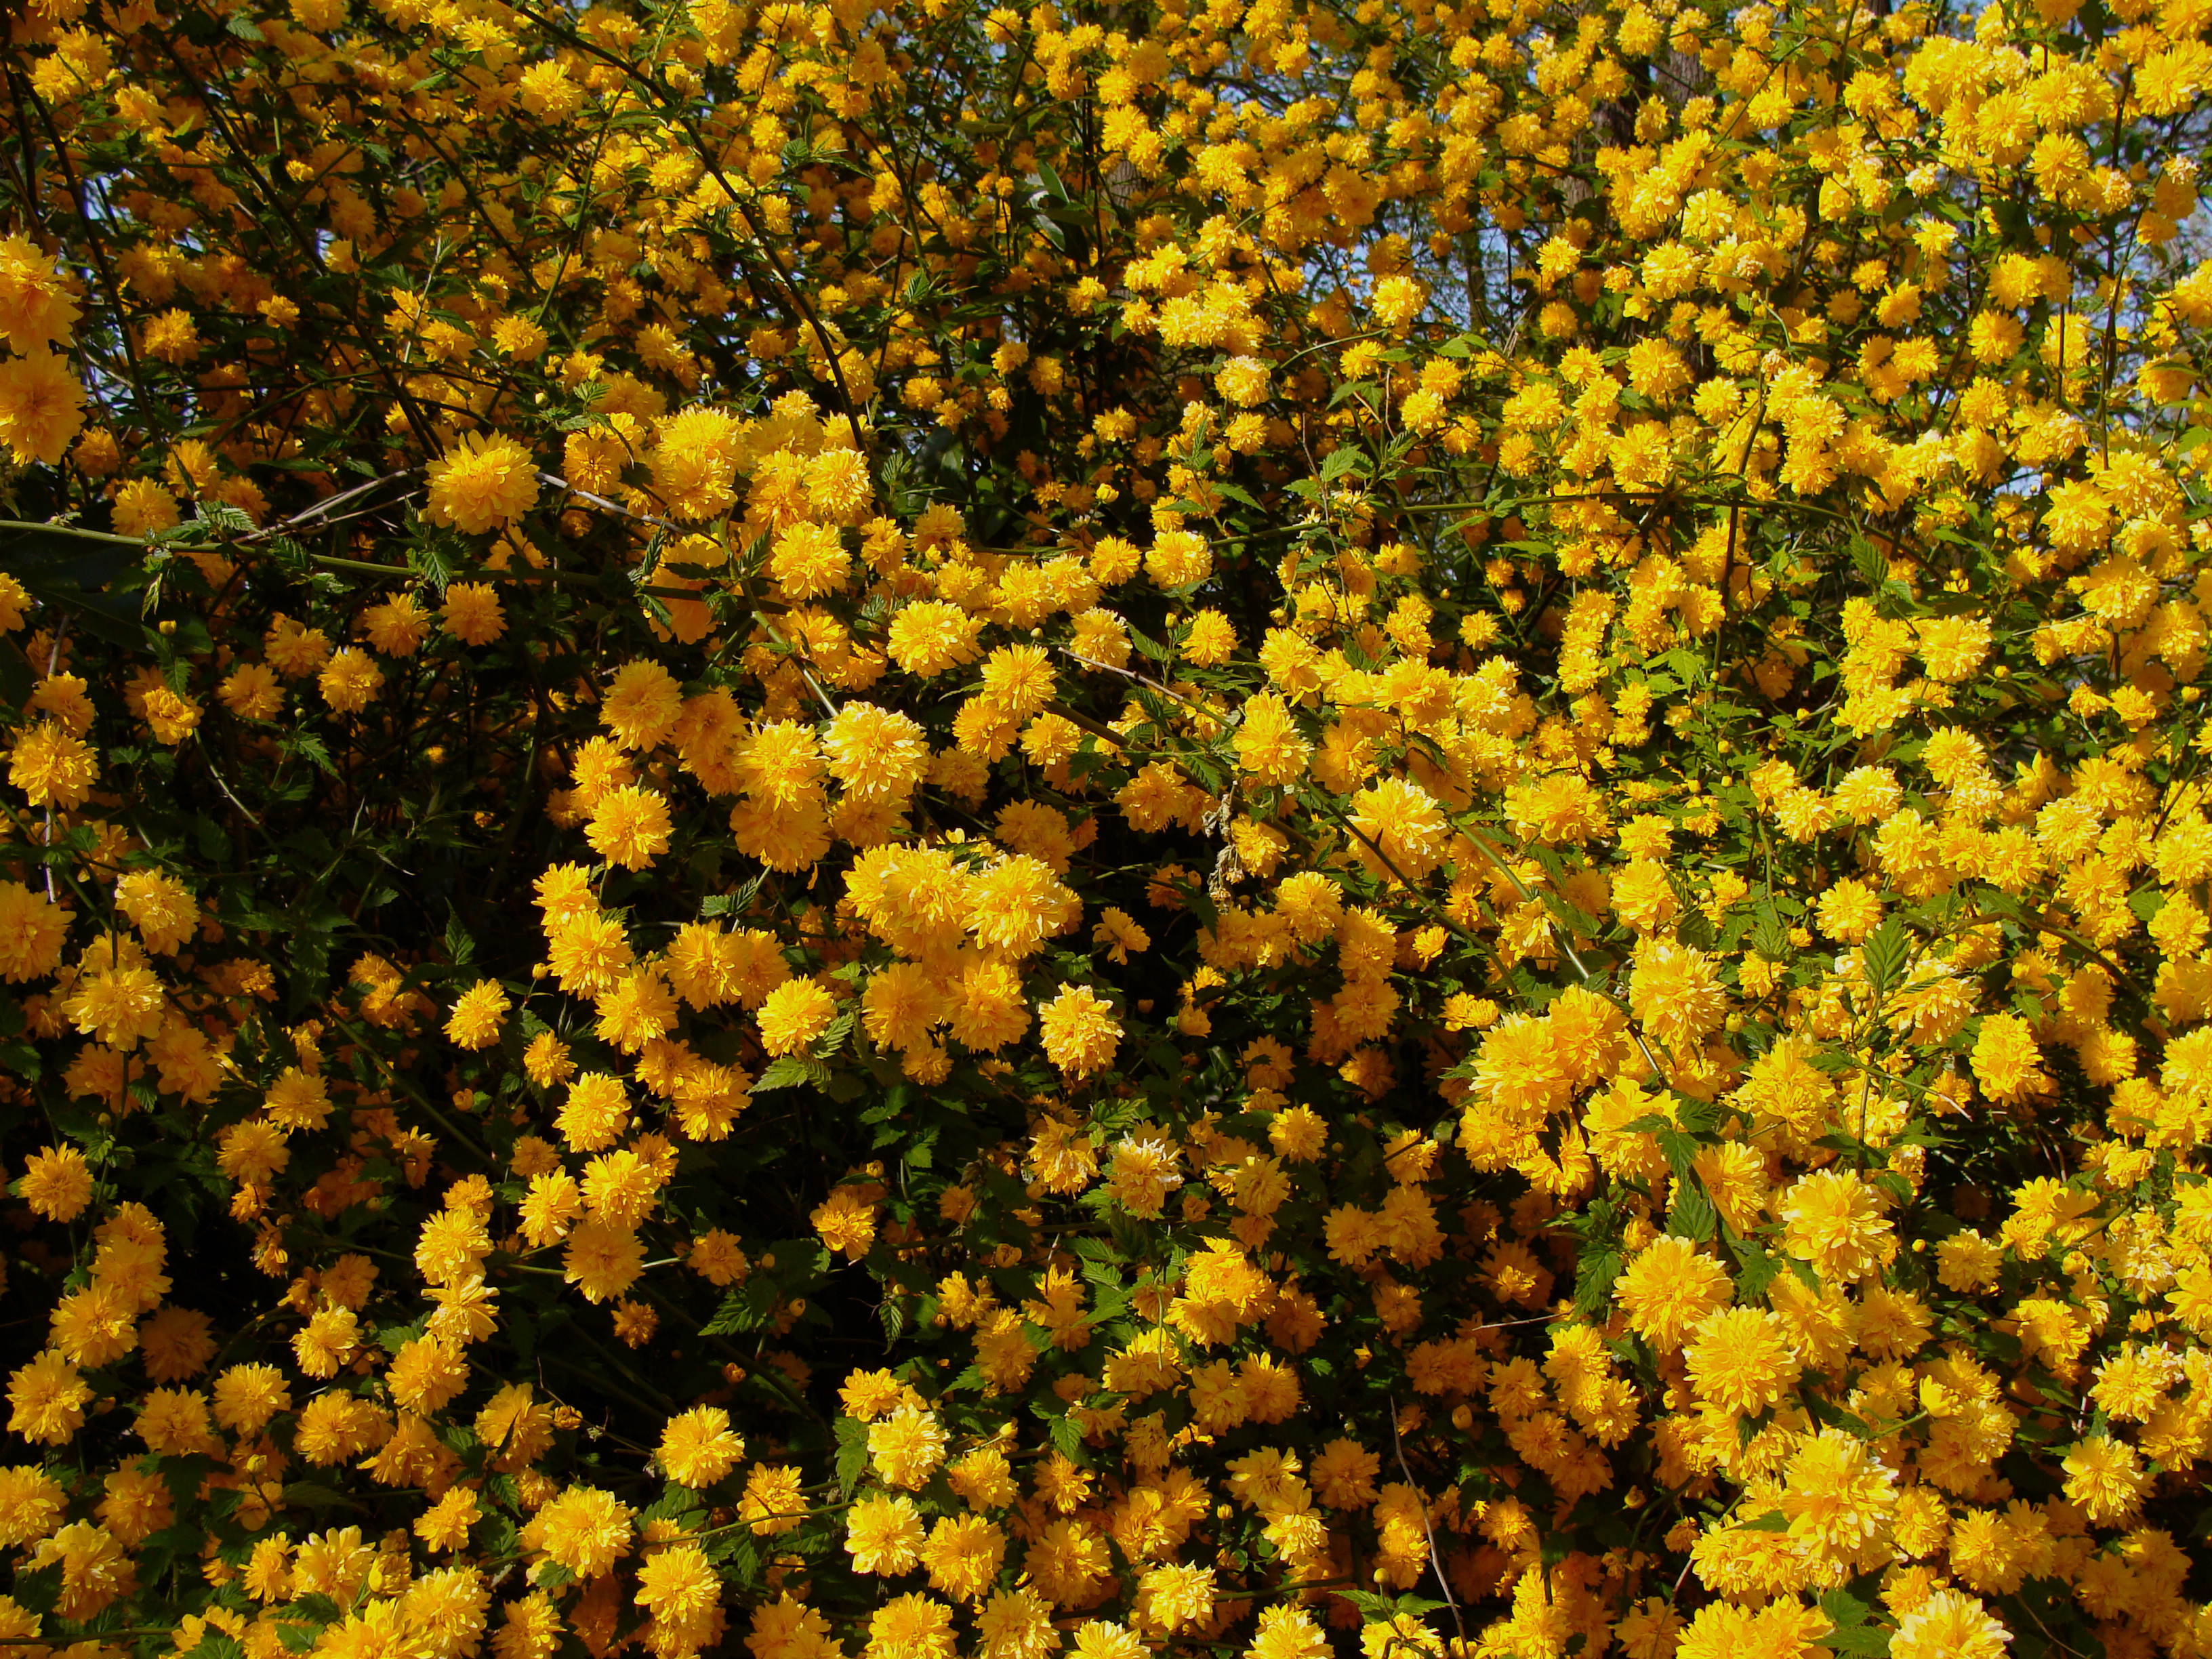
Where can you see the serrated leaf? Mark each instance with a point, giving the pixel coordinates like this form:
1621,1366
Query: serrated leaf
1680,1150
1594,1281
460,948
1844,1608
1884,955
1870,1639
1692,1215
1344,459
791,1072
746,1308
852,1454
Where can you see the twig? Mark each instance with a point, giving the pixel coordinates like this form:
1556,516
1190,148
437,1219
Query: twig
1436,1558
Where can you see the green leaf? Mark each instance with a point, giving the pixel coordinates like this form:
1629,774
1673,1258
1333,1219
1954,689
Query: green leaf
1680,1150
435,556
1884,953
311,1495
1844,1608
852,1454
1594,1281
746,1308
791,1072
1692,1215
308,743
1858,1639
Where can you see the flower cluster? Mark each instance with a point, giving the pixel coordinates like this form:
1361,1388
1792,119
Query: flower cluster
919,830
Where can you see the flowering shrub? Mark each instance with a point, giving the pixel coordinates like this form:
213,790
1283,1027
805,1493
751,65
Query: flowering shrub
869,829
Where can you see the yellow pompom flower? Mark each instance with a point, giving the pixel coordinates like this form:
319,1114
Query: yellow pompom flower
962,1556
2007,1062
698,1447
1837,1496
477,1014
875,753
46,1400
809,561
1742,1359
51,767
883,1533
1675,993
36,308
602,1261
584,1530
796,1012
2105,1477
56,1183
472,613
41,407
1667,1288
1269,746
351,680
160,907
931,636
1078,1031
642,704
630,827
678,1586
482,484
1949,1625
118,1007
1833,1219
906,1447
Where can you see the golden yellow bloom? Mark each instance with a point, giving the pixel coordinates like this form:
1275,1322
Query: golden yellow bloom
481,484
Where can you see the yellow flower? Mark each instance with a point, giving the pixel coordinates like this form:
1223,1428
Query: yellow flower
602,1261
2007,1061
911,1627
1949,1625
680,1586
2105,1477
1742,1359
397,627
41,407
1017,1624
1667,1288
1833,1219
630,827
56,1183
118,1007
51,767
698,1447
962,1556
1269,746
473,614
351,680
906,1447
36,308
883,1533
584,1530
1838,1496
477,1015
642,705
1078,1031
1675,993
47,1400
794,1015
482,484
